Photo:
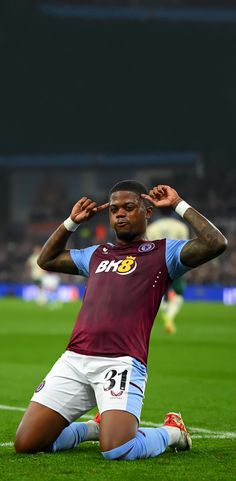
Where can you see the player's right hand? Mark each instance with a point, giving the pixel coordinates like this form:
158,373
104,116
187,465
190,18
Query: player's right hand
85,208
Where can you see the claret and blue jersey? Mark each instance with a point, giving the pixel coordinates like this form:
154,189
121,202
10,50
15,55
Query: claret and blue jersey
124,290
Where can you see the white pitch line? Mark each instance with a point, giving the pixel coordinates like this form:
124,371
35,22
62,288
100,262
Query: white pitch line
221,435
11,408
201,433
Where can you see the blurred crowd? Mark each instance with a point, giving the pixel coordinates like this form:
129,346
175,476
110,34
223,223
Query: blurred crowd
214,198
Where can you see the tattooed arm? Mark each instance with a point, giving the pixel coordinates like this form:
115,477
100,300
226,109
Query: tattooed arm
208,244
54,256
209,241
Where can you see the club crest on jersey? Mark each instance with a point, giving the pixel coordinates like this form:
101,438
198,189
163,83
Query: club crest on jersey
122,267
147,247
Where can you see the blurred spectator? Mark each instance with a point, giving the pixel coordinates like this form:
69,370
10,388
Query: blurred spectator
101,233
210,274
229,269
50,201
84,236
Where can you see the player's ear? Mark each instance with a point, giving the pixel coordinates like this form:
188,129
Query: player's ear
149,211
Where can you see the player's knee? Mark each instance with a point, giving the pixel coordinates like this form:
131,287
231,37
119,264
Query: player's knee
22,445
108,445
25,445
111,452
114,451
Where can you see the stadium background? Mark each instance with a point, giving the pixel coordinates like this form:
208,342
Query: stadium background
91,95
92,92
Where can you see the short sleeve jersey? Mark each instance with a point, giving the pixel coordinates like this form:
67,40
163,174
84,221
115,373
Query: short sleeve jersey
124,290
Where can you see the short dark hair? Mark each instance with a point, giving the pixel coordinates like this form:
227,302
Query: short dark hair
129,185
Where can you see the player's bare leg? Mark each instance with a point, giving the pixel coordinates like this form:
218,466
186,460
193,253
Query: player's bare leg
120,438
116,428
39,428
43,429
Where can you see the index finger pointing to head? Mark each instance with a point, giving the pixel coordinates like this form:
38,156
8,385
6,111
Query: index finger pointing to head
147,197
103,206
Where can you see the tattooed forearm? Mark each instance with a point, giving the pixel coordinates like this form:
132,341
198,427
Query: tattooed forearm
54,257
208,244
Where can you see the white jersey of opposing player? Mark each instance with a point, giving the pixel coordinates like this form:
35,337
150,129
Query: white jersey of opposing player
36,273
167,228
50,281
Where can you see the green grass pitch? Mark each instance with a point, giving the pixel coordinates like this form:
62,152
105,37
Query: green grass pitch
193,372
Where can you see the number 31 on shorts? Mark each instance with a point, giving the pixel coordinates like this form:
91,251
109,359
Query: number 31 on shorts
115,379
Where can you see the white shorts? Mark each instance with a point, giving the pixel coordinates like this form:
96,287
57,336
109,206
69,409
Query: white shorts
78,383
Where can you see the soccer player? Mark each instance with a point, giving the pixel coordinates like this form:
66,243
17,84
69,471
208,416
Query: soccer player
47,283
105,360
36,274
168,227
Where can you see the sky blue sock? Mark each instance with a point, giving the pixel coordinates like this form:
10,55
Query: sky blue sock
148,443
70,437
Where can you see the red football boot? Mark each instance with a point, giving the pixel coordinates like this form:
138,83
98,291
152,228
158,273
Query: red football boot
97,418
175,420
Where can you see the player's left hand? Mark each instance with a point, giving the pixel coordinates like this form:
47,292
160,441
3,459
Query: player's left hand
162,196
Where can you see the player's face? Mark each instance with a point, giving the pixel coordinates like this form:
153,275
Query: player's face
128,215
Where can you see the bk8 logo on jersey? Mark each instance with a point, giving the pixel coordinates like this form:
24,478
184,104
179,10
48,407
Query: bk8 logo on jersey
122,267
